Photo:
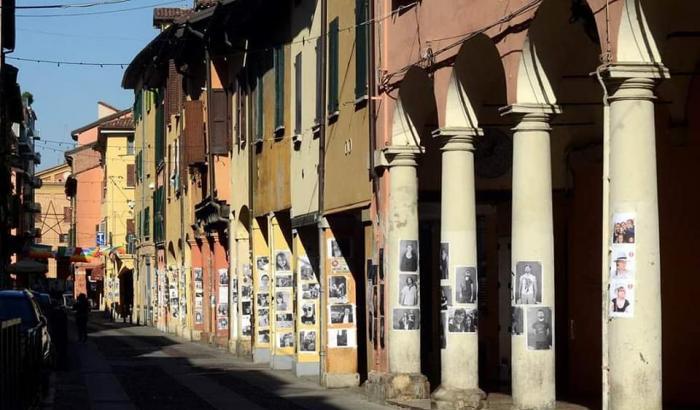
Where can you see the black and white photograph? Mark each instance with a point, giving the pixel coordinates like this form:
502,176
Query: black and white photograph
263,318
310,291
222,323
621,298
444,260
234,290
283,281
334,249
516,320
382,327
222,309
307,341
263,300
528,283
462,320
623,228
283,261
308,314
223,277
344,313
408,255
408,289
285,339
198,275
283,300
306,272
264,336
246,326
198,317
443,330
445,297
539,328
340,338
246,291
284,320
406,319
262,263
264,284
337,289
245,308
466,284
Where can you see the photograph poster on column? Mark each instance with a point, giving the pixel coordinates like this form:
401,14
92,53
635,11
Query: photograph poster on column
516,320
408,255
445,297
283,300
310,291
264,336
623,265
246,308
263,317
263,300
234,291
306,272
223,285
247,283
337,289
307,341
283,281
284,320
283,262
408,289
222,323
338,259
285,339
539,328
308,313
263,275
341,338
466,284
622,298
443,330
406,319
246,327
462,320
342,313
528,283
444,260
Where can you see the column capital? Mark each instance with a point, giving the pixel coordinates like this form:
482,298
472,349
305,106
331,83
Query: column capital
458,138
531,116
402,155
632,81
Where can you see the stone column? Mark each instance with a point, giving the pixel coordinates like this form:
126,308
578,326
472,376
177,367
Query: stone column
404,380
460,354
634,335
532,259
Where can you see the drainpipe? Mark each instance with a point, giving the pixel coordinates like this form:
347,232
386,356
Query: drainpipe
372,105
321,181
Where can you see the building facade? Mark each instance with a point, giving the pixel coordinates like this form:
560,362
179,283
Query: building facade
56,216
437,201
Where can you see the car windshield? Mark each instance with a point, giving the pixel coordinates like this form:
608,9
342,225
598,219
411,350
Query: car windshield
15,307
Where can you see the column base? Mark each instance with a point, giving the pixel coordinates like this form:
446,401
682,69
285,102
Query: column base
340,380
381,387
244,348
445,398
261,355
305,368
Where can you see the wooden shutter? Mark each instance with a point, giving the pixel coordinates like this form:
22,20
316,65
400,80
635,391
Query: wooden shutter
160,128
297,94
174,91
279,87
220,134
361,29
333,67
319,87
130,226
130,175
259,109
193,146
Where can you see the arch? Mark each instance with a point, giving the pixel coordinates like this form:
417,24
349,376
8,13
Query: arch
415,113
477,85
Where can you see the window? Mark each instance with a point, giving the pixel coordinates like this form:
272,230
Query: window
319,90
130,176
361,29
259,110
158,215
333,68
146,222
160,128
279,88
297,94
130,146
220,127
63,238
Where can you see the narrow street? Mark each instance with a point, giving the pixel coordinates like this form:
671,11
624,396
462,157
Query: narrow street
134,367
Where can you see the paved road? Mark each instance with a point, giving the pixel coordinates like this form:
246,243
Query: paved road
134,367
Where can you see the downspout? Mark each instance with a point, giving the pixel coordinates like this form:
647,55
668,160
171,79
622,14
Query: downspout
321,181
372,108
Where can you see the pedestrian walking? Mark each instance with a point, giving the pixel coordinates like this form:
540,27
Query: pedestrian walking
82,310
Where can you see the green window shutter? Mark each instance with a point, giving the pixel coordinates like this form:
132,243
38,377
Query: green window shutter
259,109
361,29
146,222
279,87
160,128
333,67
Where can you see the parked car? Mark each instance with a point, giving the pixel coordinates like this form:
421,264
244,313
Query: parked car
22,304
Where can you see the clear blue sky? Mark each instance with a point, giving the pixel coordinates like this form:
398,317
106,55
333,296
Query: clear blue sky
65,97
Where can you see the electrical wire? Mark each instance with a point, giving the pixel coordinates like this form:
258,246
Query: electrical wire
68,6
94,13
59,62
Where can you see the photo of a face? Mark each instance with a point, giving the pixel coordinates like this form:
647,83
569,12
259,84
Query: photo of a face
622,298
223,277
222,323
262,263
342,313
264,283
306,272
283,300
307,341
408,256
445,297
246,308
466,284
528,283
283,281
408,289
263,300
461,320
263,318
406,319
444,260
623,228
337,290
282,261
308,314
539,328
310,291
285,339
284,320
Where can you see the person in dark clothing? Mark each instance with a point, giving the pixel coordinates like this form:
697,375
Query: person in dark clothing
82,309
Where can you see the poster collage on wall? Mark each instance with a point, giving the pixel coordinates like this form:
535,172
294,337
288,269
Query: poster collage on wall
183,294
262,300
245,294
222,305
529,316
198,277
458,306
623,266
309,289
173,300
284,308
342,321
406,316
